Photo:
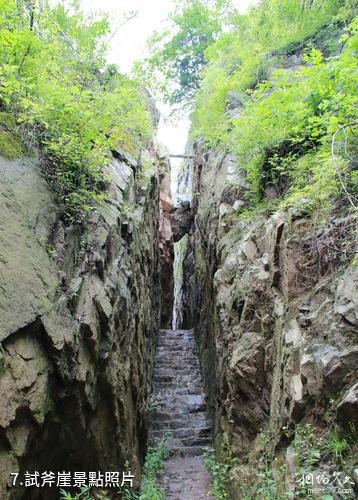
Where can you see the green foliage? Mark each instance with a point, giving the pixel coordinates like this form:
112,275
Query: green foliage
312,448
270,484
234,45
85,494
219,471
307,444
317,451
51,250
337,446
178,53
154,463
54,79
240,57
295,133
286,137
10,142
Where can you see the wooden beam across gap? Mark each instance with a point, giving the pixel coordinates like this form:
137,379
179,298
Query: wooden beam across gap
181,156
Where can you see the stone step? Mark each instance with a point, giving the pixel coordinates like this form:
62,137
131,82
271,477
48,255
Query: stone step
161,389
183,427
186,451
178,402
164,382
179,366
179,405
175,351
176,382
162,374
174,332
169,397
183,339
173,412
185,443
168,390
178,362
162,415
184,432
177,356
186,370
198,420
169,353
182,342
180,369
184,381
176,442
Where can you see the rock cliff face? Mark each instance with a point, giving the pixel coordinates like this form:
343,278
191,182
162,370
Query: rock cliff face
273,301
166,246
79,314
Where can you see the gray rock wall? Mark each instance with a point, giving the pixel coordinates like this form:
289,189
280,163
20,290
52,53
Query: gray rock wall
272,298
79,314
166,244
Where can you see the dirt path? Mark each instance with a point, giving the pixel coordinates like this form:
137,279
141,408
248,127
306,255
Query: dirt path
185,478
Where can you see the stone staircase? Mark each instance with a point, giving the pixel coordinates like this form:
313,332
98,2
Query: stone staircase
178,404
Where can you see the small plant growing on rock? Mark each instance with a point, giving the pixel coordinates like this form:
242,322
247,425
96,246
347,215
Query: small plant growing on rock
219,472
2,360
337,447
270,484
307,444
154,463
51,250
84,494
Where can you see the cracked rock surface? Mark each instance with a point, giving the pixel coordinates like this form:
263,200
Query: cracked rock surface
79,315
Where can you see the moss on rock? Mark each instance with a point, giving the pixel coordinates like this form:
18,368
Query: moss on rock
10,142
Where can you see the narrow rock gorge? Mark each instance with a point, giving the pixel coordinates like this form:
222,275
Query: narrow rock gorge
202,338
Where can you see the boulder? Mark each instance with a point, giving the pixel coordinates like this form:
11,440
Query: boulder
346,303
246,363
181,220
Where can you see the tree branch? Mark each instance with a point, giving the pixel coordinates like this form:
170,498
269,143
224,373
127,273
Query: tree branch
129,18
349,196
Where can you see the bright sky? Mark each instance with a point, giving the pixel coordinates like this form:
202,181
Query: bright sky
129,45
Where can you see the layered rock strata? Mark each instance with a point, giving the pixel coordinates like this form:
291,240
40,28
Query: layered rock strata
273,301
166,246
79,314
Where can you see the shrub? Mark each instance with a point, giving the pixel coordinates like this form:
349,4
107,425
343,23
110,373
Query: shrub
65,99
